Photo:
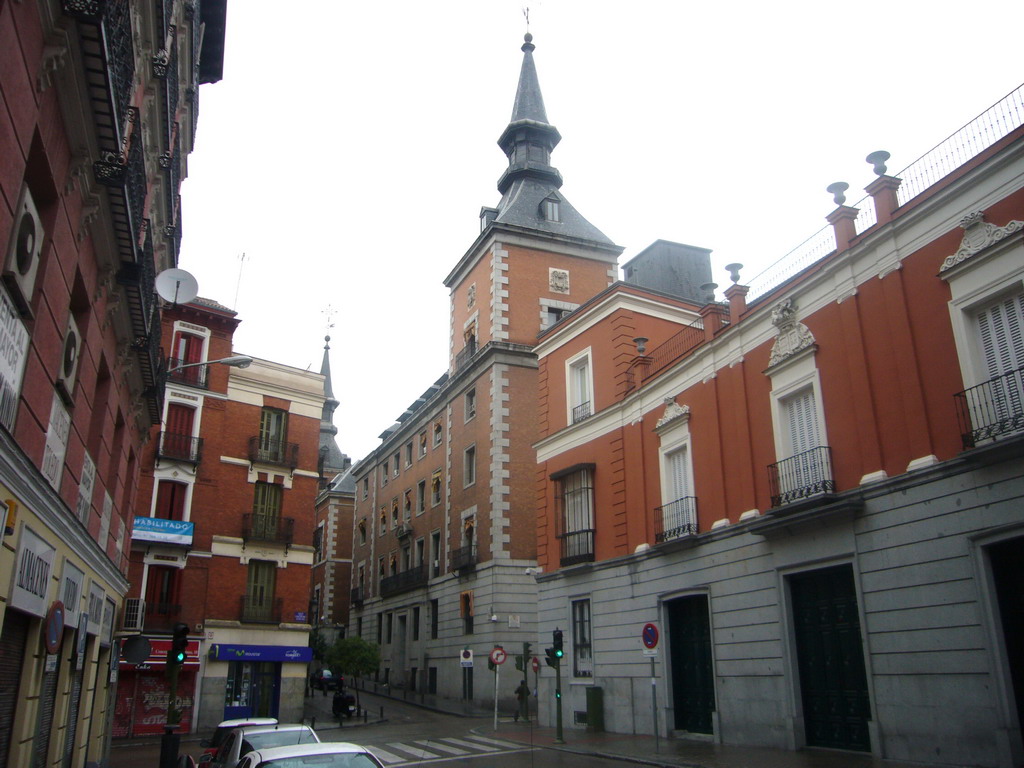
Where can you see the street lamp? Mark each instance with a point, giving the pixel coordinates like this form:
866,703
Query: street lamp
235,361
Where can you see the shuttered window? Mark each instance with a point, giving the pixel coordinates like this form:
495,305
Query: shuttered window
1001,330
801,418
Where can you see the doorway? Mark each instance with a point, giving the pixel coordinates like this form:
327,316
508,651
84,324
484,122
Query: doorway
1008,576
693,682
830,659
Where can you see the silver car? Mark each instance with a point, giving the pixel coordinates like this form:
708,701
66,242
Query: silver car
329,754
253,737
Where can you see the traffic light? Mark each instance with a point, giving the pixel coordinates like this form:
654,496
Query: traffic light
550,658
519,663
556,638
179,645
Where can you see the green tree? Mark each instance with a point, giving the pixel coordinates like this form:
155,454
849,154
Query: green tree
354,657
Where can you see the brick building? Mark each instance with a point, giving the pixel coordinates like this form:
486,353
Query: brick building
98,109
223,538
444,545
813,490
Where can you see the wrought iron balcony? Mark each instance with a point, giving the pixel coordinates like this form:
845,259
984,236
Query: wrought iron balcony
991,409
123,170
404,581
261,611
193,376
139,282
263,527
676,519
801,476
180,447
463,357
577,547
161,616
464,558
150,359
357,596
581,412
273,452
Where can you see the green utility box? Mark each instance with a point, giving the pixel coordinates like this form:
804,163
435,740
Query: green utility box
595,709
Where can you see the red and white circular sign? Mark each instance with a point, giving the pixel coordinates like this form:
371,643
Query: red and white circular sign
498,656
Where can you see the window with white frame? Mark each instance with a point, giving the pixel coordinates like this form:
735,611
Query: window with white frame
469,466
679,505
579,387
421,496
437,435
575,497
582,651
470,404
435,488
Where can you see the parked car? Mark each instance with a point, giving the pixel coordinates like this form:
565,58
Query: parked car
252,737
329,754
221,732
325,680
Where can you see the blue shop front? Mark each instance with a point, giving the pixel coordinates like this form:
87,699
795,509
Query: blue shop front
262,680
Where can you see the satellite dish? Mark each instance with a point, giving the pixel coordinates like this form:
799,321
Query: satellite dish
136,650
176,286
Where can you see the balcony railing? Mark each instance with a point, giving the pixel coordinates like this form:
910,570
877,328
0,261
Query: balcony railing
358,596
193,376
273,452
991,409
464,356
675,520
161,616
404,581
577,547
134,614
581,412
464,558
801,476
263,527
261,611
180,447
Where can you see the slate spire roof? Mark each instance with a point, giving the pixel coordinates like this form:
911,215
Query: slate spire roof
530,179
332,457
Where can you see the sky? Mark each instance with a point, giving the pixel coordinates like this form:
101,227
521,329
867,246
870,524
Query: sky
341,163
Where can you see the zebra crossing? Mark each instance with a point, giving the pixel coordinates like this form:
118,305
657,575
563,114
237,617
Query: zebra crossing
397,753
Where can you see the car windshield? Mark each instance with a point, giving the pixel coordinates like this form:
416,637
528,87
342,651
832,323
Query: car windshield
256,741
341,760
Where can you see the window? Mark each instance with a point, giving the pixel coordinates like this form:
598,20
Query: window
318,539
421,496
582,660
579,387
435,488
390,627
575,496
273,434
407,505
437,435
395,469
162,586
469,466
384,473
677,515
366,487
805,469
549,209
380,628
435,553
170,500
362,532
419,552
266,510
394,514
188,350
177,439
359,626
259,591
433,619
466,610
997,405
470,405
423,444
416,622
408,454
383,520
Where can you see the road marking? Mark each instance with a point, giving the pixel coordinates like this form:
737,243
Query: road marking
443,747
499,744
386,757
418,752
460,758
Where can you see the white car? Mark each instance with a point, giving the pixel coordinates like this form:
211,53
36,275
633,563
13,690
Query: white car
212,744
241,741
329,754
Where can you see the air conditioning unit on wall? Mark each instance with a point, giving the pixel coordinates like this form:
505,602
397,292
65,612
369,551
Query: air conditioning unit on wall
69,360
23,251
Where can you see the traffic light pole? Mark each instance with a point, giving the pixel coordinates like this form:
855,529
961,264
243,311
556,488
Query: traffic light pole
558,705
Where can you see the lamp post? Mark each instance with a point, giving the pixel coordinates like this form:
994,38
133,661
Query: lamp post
235,361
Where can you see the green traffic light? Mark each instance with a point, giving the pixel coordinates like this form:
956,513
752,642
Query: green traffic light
559,653
179,657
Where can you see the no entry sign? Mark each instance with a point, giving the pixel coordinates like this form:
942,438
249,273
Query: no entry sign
498,656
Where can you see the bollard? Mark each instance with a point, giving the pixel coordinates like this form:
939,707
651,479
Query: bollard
312,723
366,716
382,712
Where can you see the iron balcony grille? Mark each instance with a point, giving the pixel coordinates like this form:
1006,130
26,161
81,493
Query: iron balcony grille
261,610
273,452
404,581
357,596
581,412
180,447
139,281
464,558
124,172
577,547
991,409
676,519
193,376
465,355
263,527
162,609
801,476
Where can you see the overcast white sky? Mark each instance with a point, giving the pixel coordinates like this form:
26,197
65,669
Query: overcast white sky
350,146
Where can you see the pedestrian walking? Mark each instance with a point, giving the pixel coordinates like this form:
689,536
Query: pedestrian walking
523,695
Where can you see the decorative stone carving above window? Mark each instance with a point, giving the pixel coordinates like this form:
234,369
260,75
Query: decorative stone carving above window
978,235
558,280
793,337
673,412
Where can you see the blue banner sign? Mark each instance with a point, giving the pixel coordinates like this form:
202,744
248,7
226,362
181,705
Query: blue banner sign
224,652
165,531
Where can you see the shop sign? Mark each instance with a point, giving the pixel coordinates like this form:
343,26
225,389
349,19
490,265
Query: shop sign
56,441
13,354
32,569
71,585
223,652
164,531
158,649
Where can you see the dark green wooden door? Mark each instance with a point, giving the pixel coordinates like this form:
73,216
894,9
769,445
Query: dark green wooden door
833,684
693,682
